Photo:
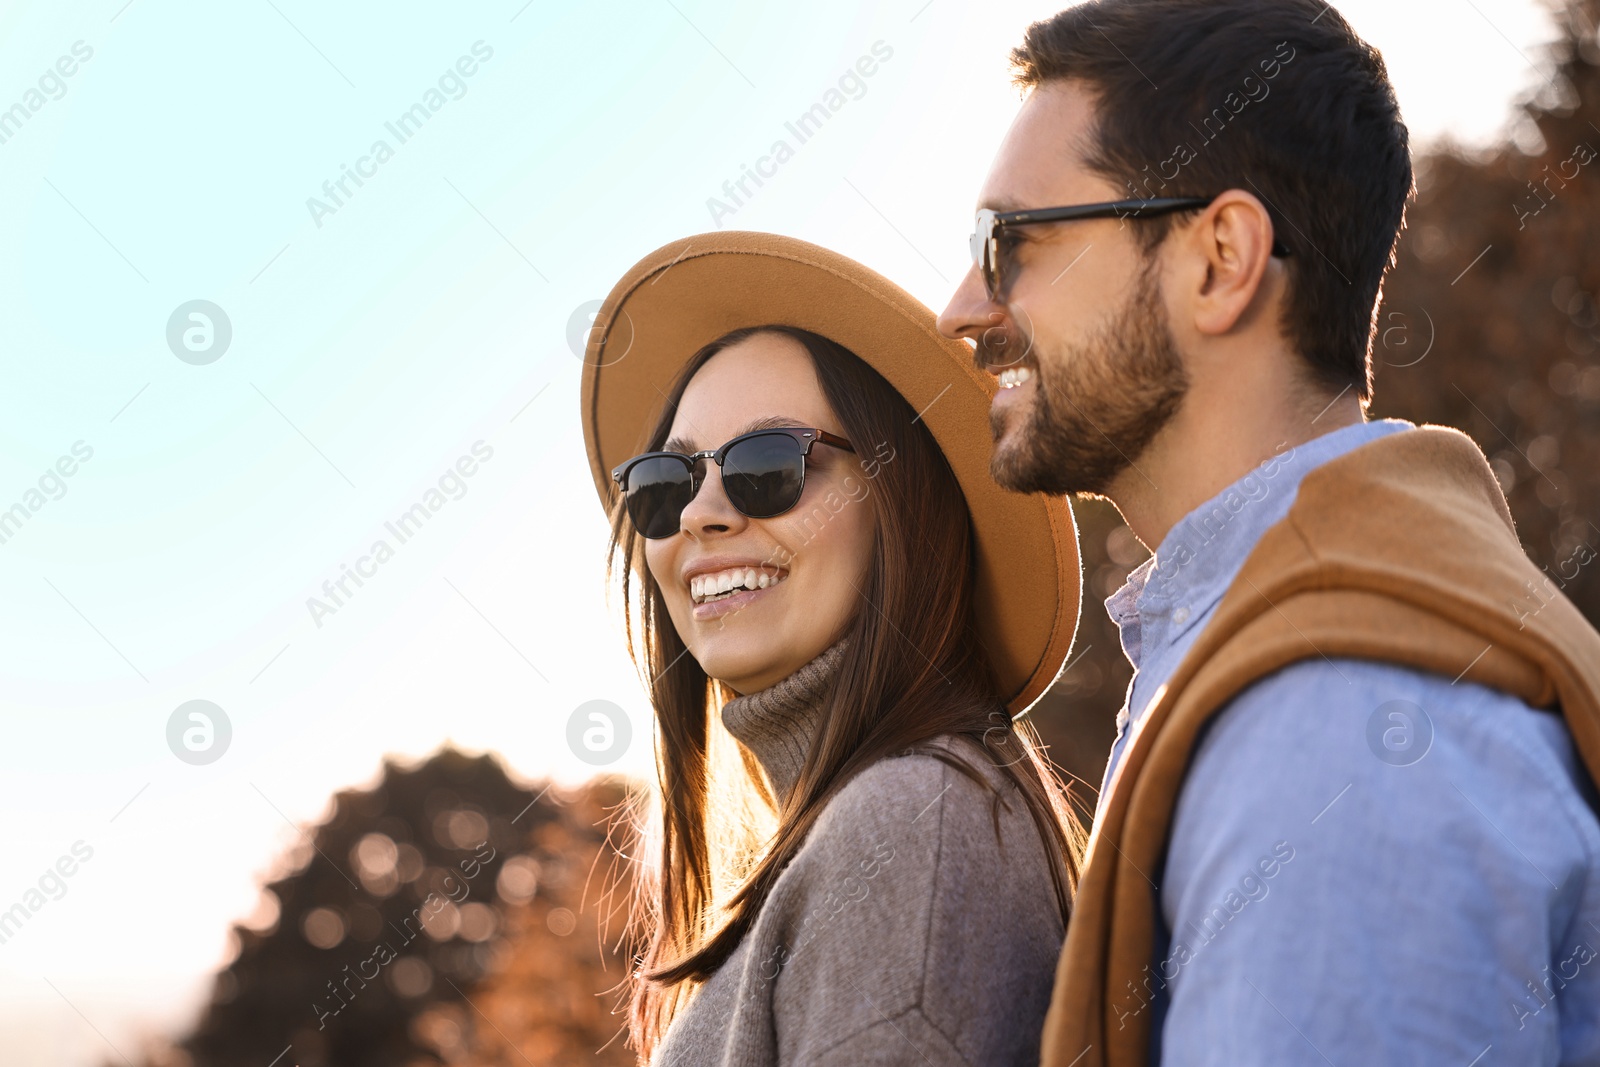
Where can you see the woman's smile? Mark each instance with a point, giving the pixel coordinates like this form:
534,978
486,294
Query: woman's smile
719,587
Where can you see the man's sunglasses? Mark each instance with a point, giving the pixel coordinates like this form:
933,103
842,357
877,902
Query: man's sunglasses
987,228
763,474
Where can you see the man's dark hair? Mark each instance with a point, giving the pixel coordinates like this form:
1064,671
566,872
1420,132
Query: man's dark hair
1279,98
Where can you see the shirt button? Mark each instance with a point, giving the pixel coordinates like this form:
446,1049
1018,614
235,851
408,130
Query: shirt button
1180,616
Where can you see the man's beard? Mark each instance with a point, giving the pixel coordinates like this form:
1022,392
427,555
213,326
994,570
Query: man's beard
1096,407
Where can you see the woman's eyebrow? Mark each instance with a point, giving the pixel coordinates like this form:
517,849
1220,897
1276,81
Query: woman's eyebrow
766,422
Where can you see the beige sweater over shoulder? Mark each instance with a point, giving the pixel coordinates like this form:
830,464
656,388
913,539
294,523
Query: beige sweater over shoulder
905,931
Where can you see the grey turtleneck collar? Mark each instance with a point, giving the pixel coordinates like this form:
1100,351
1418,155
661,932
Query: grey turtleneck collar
779,723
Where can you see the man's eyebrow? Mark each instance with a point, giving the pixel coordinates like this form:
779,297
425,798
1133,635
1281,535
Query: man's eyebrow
766,422
1001,205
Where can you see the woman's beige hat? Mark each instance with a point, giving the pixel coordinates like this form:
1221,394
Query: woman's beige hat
688,293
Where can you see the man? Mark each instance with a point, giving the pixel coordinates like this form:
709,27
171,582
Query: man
1347,817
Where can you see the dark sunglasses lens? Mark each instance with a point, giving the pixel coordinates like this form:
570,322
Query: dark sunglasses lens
763,475
658,490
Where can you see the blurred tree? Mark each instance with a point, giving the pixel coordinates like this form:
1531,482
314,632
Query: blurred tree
1489,322
553,1001
439,913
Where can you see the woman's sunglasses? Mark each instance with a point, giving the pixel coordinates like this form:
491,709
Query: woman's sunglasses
763,474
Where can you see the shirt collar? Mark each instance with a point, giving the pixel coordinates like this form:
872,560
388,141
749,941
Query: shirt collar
1198,559
1123,607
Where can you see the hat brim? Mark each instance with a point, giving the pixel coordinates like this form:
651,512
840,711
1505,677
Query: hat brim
690,292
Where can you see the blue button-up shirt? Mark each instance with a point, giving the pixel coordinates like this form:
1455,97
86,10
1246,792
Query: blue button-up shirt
1368,864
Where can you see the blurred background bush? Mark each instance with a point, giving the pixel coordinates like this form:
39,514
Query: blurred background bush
448,915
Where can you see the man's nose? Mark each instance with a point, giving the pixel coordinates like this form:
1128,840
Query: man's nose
970,311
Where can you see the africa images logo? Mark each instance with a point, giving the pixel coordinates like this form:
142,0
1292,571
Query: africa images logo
802,129
406,125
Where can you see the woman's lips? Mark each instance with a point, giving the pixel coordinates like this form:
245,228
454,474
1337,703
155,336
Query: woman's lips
733,602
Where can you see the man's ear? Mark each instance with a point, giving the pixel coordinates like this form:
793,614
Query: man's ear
1233,239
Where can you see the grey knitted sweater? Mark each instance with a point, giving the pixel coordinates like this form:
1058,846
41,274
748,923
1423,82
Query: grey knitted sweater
904,931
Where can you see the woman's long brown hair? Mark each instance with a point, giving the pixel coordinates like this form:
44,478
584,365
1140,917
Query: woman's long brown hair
912,670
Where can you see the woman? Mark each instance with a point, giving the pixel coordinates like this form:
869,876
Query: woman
868,860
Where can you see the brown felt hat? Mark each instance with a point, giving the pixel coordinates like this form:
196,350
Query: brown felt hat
691,292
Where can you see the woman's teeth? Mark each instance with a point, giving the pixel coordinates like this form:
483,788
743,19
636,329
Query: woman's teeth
1012,377
705,588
